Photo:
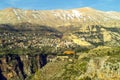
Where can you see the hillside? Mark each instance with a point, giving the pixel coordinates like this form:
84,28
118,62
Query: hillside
57,18
101,63
84,26
40,38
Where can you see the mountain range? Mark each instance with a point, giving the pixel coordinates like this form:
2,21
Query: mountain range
84,26
33,44
60,17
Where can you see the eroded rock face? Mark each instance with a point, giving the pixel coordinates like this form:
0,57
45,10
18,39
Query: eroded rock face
20,66
100,69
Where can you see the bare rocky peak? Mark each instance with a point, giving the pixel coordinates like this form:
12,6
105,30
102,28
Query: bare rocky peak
57,18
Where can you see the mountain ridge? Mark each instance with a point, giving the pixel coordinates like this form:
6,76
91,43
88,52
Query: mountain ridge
83,26
59,17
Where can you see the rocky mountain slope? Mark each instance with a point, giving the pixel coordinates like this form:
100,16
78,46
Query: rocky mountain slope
101,63
57,18
83,26
26,35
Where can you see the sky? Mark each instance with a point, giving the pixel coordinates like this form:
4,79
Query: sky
105,5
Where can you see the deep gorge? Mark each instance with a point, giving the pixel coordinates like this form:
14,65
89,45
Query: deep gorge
19,67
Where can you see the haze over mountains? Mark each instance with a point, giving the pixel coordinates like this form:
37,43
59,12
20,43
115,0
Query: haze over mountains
84,26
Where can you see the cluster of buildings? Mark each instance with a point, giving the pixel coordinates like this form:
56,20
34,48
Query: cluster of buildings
32,40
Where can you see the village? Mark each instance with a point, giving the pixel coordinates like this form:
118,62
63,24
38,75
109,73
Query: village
34,40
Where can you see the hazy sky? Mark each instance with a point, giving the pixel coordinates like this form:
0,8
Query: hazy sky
106,5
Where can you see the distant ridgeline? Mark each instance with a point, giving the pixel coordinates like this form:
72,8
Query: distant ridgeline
85,27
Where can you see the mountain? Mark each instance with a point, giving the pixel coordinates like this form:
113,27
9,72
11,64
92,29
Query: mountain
84,26
60,17
33,44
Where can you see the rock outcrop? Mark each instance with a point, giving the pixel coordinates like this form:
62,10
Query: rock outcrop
99,69
15,67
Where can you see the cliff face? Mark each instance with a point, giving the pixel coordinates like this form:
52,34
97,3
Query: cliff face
20,66
98,68
95,35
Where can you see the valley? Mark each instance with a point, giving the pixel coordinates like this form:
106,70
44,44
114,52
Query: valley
75,44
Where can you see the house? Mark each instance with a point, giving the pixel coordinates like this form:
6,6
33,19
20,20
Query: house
69,52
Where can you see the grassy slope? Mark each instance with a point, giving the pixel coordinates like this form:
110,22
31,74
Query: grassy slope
100,63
